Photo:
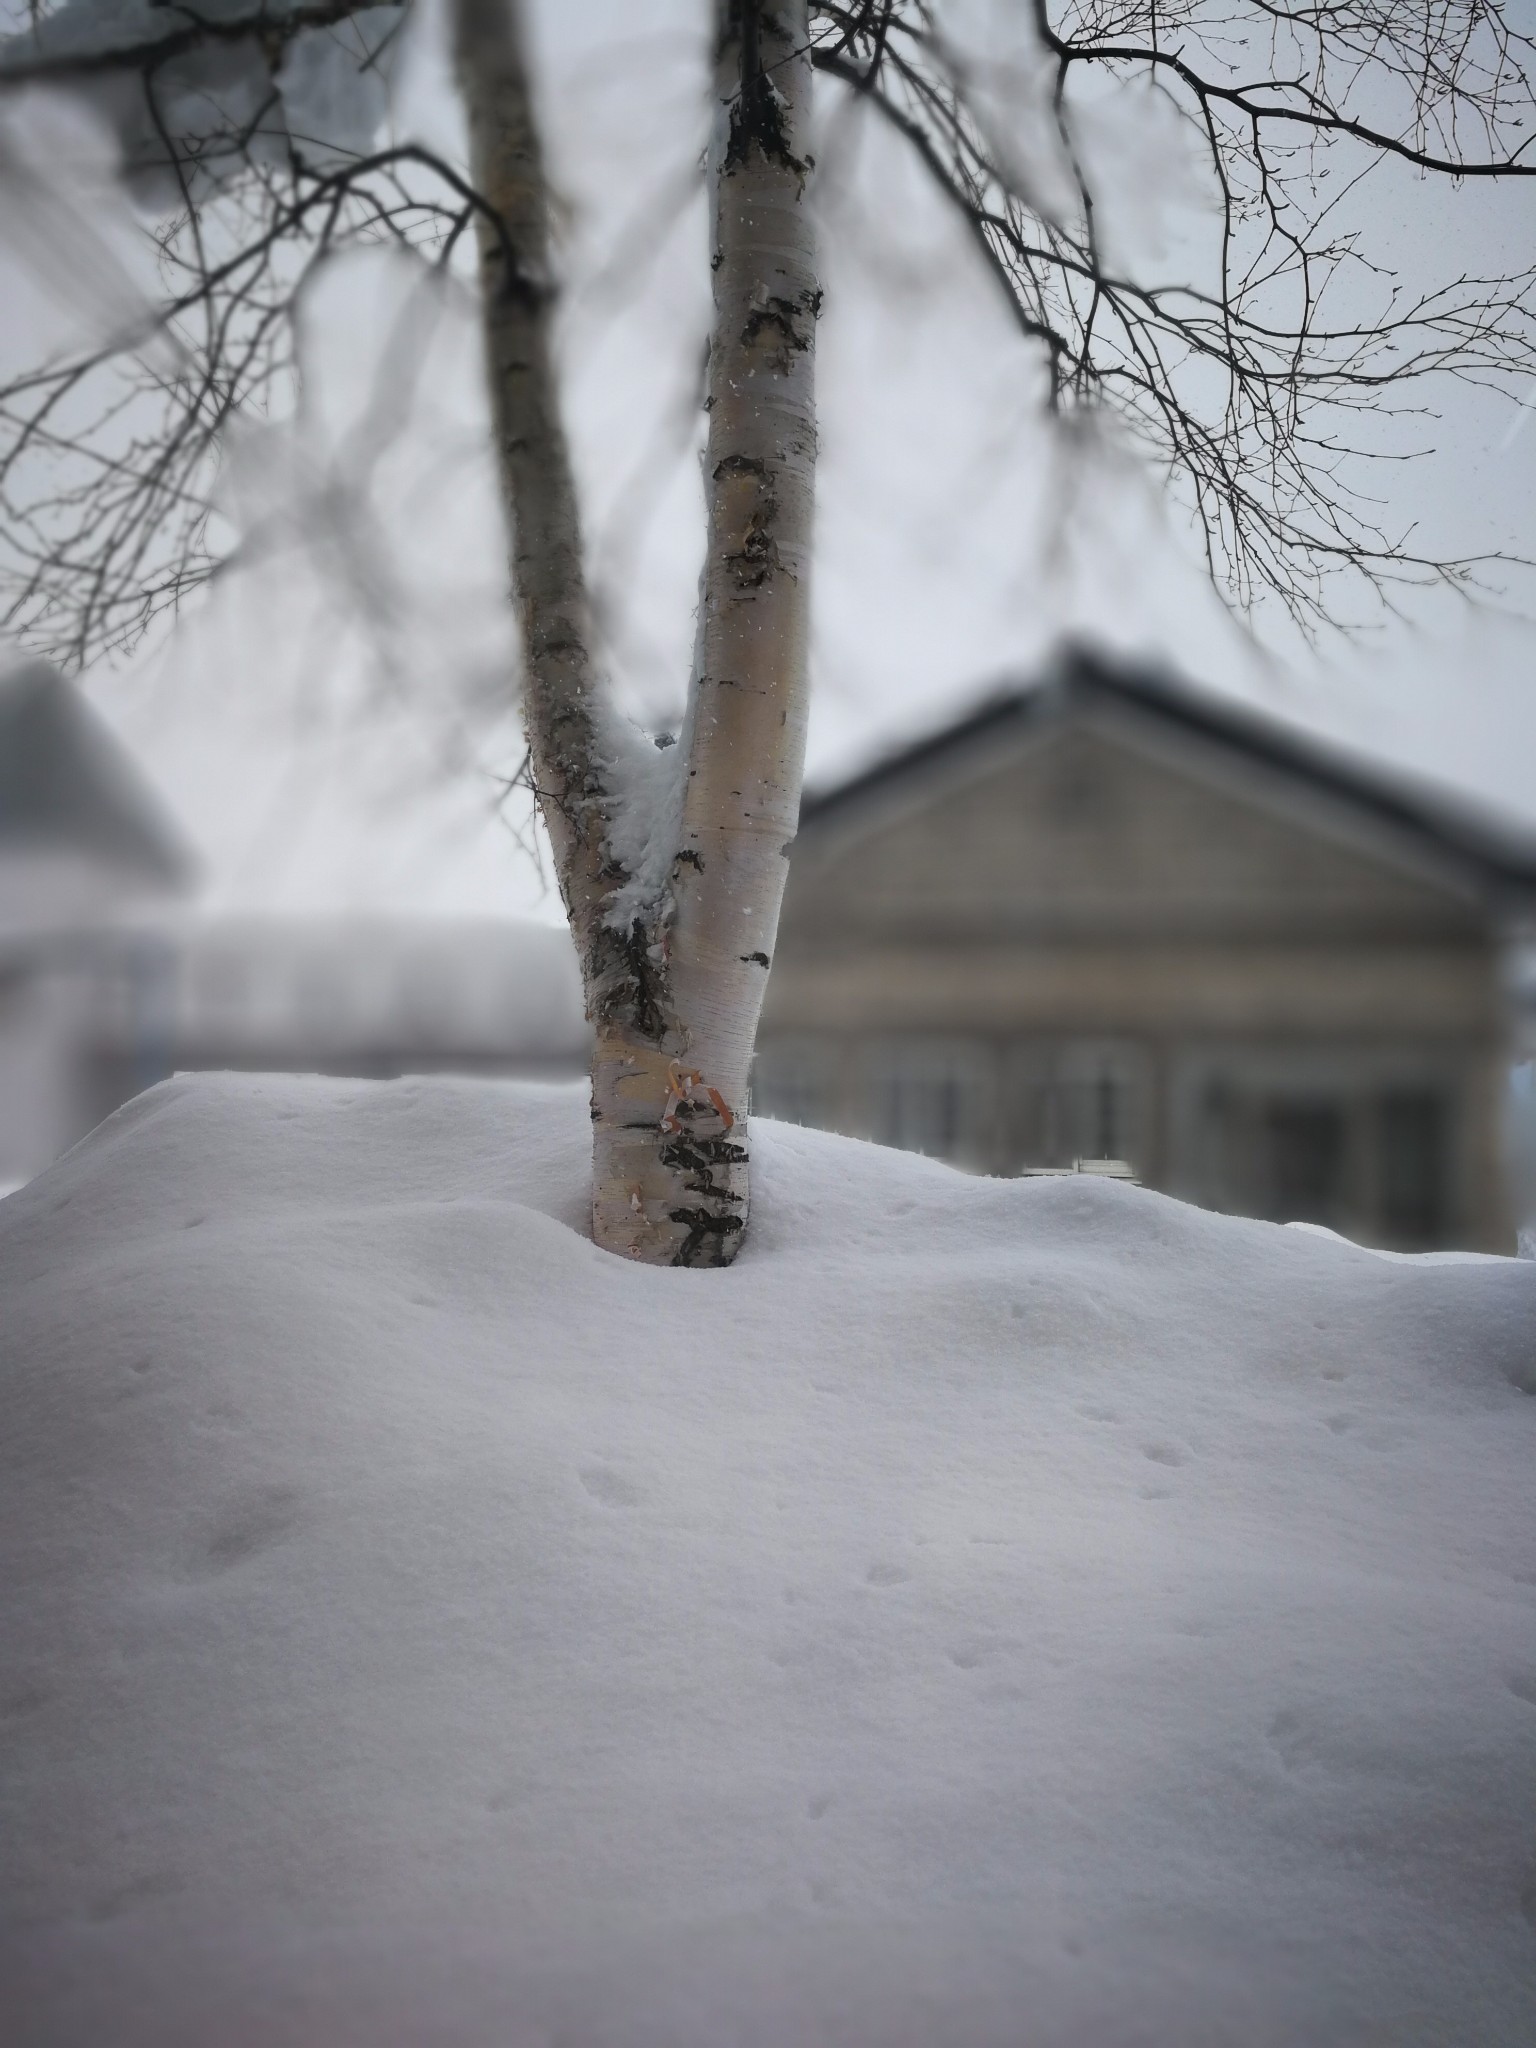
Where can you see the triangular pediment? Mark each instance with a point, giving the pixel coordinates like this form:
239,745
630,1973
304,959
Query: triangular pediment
1095,821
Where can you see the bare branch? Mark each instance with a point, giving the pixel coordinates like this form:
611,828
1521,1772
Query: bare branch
1255,403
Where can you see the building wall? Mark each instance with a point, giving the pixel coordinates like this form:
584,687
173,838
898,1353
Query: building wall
34,1112
1110,828
51,1091
89,1017
1089,940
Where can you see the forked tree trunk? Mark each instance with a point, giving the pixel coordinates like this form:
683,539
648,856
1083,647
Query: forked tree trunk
672,867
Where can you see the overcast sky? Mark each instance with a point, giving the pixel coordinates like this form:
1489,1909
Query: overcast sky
954,542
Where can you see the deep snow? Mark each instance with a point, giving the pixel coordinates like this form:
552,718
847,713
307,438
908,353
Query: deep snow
1029,1612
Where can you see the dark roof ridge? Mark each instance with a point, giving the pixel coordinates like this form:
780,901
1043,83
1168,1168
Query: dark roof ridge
1078,671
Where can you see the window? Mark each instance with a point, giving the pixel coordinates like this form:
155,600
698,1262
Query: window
1078,1101
1097,1105
1304,1153
937,1096
1358,1140
796,1081
1411,1164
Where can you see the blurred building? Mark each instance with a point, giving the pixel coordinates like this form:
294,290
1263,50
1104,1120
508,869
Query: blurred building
1111,917
110,980
1105,917
87,860
378,996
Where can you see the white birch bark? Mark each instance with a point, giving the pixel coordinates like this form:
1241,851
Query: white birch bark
675,952
744,741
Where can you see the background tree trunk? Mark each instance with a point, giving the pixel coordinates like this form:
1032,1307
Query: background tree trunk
560,707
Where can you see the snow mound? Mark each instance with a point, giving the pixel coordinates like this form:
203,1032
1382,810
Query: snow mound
991,1612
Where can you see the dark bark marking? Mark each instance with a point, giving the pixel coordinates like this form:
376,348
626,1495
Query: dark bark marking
758,556
705,1161
782,315
757,117
691,1152
707,1234
627,982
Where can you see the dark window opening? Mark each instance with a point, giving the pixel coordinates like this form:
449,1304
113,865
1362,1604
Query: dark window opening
922,1113
1411,1157
1109,1119
1305,1144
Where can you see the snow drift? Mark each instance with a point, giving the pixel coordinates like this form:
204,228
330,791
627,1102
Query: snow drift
990,1612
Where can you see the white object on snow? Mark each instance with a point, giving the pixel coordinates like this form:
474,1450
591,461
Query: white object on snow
989,1612
1105,1169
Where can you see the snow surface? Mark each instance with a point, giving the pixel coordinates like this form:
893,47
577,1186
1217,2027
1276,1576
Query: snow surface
1030,1612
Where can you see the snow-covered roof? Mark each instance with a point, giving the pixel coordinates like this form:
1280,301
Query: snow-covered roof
1495,857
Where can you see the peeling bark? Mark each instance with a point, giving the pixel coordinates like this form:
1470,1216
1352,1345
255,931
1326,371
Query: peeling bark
674,939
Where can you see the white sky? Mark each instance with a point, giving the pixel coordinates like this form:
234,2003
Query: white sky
311,777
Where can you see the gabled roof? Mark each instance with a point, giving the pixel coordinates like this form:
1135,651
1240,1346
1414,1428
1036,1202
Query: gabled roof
1498,858
68,785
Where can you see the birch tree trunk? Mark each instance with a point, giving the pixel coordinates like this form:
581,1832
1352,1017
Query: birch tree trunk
672,870
560,704
743,743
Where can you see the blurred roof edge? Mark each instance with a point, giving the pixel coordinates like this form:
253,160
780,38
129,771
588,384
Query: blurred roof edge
1080,676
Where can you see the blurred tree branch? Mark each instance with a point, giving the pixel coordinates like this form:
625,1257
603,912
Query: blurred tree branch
1256,385
1244,386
